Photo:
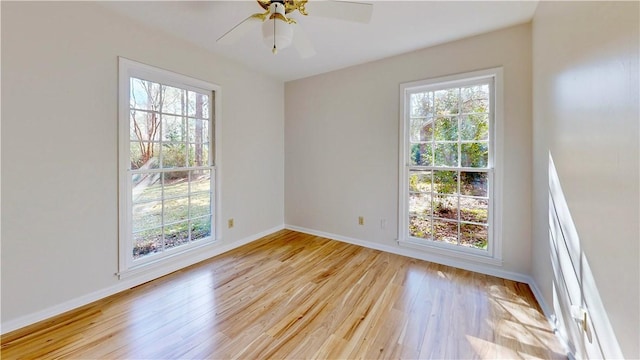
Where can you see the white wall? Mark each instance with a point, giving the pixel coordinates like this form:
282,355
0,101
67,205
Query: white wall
586,157
341,141
59,149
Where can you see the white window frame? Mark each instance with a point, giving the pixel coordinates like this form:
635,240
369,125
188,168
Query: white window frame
493,254
168,259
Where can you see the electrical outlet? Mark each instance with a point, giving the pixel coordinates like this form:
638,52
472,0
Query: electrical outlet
230,223
360,220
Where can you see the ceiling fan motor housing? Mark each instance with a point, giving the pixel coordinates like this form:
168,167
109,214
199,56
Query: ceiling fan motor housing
289,5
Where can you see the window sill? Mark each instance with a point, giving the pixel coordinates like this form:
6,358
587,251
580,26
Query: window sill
467,256
171,263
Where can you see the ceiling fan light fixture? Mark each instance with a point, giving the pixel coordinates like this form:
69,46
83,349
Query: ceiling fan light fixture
277,33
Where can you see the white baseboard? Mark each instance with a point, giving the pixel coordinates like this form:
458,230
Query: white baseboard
416,254
125,284
548,312
551,317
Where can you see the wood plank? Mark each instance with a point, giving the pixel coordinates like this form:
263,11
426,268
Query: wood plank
292,295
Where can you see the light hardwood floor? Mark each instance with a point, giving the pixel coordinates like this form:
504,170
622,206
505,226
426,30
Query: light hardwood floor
292,295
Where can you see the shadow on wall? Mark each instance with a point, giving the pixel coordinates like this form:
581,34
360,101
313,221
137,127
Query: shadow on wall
581,316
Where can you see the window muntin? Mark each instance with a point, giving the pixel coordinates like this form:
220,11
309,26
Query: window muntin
448,178
167,164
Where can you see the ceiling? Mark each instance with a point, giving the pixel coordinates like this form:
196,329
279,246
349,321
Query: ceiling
396,27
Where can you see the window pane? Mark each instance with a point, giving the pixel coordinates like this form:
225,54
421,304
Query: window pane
474,210
445,207
447,128
144,126
200,205
173,100
474,183
147,215
173,129
200,228
420,204
146,186
420,181
445,182
174,155
420,227
176,235
176,183
421,104
144,95
176,210
446,231
474,236
421,154
200,181
474,127
475,99
421,129
199,154
144,155
446,101
147,242
205,106
198,105
446,154
474,155
198,131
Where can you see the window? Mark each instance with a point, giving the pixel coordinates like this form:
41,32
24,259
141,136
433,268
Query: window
167,164
448,157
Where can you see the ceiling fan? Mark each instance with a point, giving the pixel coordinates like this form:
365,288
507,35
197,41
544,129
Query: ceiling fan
278,26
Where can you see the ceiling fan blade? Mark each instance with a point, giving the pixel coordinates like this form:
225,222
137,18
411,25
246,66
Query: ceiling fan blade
240,30
302,43
343,10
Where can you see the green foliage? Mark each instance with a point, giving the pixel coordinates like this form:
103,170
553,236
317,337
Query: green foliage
446,129
413,181
452,126
174,155
446,182
474,155
421,154
415,154
200,228
474,127
446,101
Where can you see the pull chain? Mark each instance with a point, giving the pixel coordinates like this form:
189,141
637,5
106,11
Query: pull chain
274,50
